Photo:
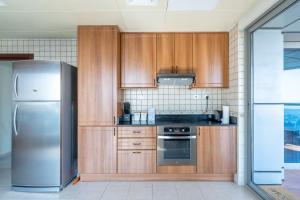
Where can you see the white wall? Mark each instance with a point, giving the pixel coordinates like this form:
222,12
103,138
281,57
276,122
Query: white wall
5,107
235,97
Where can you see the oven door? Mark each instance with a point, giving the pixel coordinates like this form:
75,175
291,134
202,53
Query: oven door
176,150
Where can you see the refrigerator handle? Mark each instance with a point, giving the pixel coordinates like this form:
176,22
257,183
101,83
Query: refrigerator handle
16,85
14,119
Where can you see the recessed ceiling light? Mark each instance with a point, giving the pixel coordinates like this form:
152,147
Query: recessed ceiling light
142,2
3,3
201,5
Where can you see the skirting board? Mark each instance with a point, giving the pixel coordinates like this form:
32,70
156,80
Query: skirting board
156,177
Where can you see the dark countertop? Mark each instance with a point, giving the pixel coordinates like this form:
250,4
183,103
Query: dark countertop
182,120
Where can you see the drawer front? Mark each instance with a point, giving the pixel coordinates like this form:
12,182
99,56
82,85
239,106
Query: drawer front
137,143
136,132
136,161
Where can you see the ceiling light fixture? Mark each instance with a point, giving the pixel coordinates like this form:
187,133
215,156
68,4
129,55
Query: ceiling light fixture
196,5
142,2
3,3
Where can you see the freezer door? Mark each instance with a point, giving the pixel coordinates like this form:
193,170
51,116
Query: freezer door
36,81
36,144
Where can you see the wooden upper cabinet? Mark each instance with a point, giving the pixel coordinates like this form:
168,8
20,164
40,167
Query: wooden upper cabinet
183,52
98,75
97,153
174,52
211,59
138,58
216,150
165,53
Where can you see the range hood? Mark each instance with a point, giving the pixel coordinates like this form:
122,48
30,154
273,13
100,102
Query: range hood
175,79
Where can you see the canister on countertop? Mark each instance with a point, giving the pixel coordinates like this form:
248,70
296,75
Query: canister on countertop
225,119
136,117
143,116
151,115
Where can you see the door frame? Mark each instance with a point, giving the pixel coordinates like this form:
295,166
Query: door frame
275,10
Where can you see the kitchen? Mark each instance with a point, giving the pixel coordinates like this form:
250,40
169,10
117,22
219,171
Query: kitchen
150,102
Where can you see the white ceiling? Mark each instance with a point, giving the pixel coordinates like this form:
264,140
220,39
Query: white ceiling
59,18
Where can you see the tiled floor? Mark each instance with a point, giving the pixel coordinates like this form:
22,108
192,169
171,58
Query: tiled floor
139,191
131,191
292,181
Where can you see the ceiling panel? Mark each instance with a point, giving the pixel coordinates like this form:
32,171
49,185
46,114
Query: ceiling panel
59,5
210,21
60,17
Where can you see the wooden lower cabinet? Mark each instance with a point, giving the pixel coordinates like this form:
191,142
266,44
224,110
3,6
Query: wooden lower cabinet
129,153
97,150
136,161
137,132
136,150
136,143
216,150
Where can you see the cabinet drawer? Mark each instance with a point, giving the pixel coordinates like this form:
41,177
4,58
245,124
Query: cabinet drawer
136,132
137,143
136,161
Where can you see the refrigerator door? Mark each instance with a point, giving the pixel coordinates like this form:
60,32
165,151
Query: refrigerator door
36,144
36,81
268,143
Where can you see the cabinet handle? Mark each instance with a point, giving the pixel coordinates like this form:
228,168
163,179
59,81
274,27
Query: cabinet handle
136,131
136,143
114,132
176,69
136,152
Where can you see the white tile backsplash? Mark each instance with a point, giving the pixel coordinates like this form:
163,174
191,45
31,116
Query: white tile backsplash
43,49
173,99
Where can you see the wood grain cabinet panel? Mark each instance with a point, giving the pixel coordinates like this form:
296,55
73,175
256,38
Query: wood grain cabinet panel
216,150
211,59
138,52
97,150
137,143
183,52
165,53
174,52
137,132
136,161
98,75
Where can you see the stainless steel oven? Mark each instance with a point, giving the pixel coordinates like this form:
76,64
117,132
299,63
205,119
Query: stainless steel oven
176,145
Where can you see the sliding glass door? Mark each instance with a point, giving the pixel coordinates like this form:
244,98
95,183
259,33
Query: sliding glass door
274,102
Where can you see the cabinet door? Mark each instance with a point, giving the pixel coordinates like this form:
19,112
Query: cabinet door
138,59
165,53
216,150
97,150
183,52
97,75
210,59
136,161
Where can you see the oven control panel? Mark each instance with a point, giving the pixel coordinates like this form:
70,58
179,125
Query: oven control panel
177,130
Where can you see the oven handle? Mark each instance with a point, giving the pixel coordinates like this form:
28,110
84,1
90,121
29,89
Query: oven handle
176,137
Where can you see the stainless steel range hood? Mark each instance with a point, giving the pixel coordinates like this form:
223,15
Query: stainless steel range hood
175,79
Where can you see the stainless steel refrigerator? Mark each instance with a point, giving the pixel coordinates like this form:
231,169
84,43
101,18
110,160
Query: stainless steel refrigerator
44,125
